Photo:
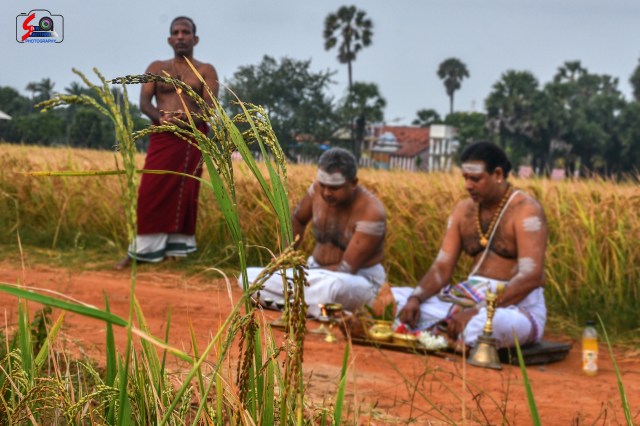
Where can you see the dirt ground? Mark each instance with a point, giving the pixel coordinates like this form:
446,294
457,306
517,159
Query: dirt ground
385,387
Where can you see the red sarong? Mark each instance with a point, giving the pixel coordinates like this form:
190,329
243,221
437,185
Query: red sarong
169,203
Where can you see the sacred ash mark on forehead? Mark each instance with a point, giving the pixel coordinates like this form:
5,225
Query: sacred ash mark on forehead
475,168
331,179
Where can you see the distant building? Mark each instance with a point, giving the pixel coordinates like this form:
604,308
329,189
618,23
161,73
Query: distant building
442,146
409,147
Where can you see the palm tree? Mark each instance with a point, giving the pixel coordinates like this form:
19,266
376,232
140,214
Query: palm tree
75,88
570,72
452,71
352,29
41,91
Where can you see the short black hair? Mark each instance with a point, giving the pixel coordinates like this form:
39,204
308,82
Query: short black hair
182,18
488,152
340,160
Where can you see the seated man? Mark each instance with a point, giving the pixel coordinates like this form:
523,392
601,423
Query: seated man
505,231
349,224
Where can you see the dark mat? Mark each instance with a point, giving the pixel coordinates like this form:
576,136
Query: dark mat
544,352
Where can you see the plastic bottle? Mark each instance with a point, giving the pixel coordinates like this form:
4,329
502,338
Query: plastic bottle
590,349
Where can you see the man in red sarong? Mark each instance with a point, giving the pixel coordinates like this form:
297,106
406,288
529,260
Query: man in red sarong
168,204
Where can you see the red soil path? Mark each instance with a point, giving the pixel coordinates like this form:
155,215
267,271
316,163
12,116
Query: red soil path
431,392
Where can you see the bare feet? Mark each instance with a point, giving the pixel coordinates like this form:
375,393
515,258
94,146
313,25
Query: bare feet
123,263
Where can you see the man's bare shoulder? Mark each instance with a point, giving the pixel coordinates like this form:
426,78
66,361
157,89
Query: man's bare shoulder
463,209
156,67
370,205
525,203
202,66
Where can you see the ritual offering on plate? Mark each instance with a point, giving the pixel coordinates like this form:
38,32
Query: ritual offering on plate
404,339
381,331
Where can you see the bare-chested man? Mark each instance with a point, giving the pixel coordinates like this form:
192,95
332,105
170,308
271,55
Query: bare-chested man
349,224
167,204
505,231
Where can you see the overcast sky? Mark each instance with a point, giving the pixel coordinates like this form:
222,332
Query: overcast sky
411,38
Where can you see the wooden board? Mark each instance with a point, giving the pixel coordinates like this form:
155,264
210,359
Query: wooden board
544,352
418,349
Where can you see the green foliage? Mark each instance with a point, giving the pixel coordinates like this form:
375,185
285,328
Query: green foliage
364,99
471,127
294,96
427,117
579,119
75,125
635,82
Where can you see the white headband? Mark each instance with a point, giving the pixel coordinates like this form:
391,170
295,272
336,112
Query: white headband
473,167
331,179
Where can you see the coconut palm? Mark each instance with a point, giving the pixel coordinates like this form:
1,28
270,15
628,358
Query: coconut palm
352,30
452,71
41,90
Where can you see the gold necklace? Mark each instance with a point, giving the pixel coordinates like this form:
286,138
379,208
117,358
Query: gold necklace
484,236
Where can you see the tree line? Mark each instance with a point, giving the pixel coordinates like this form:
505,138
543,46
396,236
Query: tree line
579,120
74,125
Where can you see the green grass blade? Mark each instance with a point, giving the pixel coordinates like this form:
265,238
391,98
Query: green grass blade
533,408
337,412
51,337
112,364
24,338
68,306
623,394
166,341
124,412
111,348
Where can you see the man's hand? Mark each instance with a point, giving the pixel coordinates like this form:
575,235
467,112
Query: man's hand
410,314
457,323
172,117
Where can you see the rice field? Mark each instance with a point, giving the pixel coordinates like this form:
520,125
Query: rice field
592,264
244,215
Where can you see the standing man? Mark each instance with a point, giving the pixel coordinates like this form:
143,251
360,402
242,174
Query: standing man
505,231
168,204
349,225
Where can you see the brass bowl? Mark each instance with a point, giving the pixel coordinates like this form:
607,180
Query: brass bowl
333,308
404,339
381,331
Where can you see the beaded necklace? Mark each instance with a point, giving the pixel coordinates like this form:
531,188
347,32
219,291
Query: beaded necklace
484,236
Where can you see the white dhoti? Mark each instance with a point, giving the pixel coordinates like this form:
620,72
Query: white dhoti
155,247
527,319
350,290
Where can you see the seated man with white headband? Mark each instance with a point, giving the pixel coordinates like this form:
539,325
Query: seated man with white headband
349,225
505,231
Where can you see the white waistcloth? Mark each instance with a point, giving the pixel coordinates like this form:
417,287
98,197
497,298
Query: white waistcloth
527,318
155,247
350,290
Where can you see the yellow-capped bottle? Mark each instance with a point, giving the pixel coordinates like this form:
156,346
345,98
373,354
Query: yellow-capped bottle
590,349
